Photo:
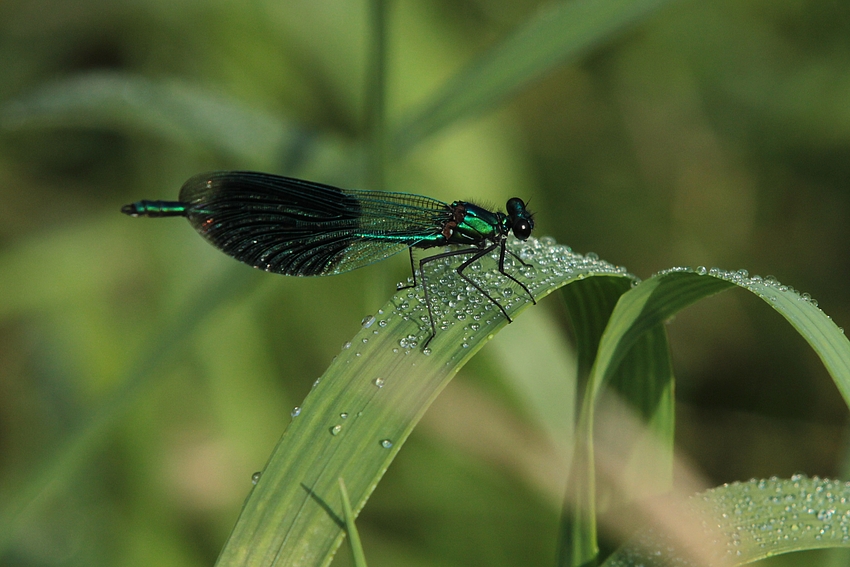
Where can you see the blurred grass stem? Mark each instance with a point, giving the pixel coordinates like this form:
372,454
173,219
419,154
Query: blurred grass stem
376,93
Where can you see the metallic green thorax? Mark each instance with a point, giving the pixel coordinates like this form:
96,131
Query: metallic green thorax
471,225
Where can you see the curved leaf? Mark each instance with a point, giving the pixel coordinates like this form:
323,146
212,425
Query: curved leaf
363,408
748,521
649,304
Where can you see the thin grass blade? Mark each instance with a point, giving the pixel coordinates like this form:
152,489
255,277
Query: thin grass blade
350,528
60,463
173,110
559,32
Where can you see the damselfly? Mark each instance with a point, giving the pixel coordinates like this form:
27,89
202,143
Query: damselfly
300,228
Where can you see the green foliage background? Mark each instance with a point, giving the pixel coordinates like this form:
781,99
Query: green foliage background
712,134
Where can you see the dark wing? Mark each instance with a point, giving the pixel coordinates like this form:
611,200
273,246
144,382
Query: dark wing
299,228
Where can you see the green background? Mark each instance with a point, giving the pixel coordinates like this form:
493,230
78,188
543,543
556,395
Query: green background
714,133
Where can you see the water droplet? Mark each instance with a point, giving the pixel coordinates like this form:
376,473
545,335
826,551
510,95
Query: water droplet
367,321
386,443
343,415
255,478
379,382
296,411
701,270
426,351
335,430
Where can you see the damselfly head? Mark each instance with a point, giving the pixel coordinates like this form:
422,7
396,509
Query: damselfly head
519,218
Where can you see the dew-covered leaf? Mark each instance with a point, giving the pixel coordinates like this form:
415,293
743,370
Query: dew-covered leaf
745,522
649,304
360,412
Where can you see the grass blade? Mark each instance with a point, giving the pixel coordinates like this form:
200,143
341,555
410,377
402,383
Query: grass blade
749,521
363,408
557,33
69,456
351,528
170,109
649,305
377,92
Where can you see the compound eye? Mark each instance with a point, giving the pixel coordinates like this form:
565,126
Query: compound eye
515,206
522,229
